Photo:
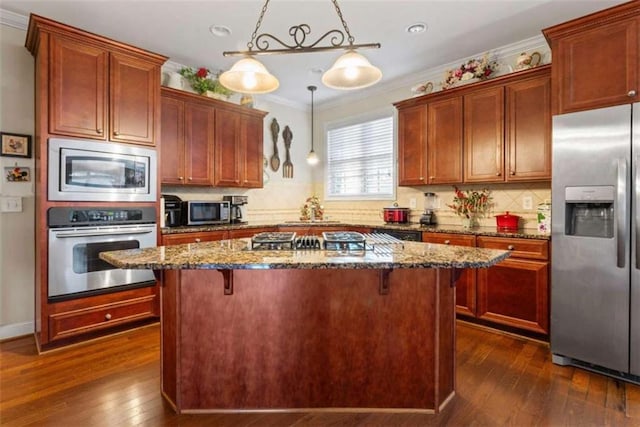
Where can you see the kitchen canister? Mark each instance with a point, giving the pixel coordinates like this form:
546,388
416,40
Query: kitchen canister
544,217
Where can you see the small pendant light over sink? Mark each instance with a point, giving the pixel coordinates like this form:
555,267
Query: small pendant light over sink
350,71
312,157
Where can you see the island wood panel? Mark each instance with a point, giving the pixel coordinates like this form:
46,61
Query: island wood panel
308,339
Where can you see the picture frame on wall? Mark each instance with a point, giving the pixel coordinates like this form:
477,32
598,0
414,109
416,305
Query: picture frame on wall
17,174
15,145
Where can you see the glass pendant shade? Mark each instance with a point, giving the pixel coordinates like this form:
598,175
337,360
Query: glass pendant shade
248,75
351,71
312,158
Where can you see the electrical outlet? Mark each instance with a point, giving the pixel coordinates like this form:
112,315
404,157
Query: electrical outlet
527,202
412,203
11,204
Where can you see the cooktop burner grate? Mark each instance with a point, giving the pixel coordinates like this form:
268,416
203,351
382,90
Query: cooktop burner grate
273,240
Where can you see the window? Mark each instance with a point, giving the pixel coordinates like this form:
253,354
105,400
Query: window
360,160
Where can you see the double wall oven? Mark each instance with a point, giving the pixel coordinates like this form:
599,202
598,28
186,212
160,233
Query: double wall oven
123,179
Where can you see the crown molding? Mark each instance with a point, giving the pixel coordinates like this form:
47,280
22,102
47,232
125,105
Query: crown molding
14,20
435,73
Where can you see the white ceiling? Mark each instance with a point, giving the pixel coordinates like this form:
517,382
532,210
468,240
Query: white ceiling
179,29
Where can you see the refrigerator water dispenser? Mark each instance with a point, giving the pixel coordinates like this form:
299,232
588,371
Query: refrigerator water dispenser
589,211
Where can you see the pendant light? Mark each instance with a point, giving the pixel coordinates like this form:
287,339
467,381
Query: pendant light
350,71
312,157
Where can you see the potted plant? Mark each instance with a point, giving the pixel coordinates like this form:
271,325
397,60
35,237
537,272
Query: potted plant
470,205
202,82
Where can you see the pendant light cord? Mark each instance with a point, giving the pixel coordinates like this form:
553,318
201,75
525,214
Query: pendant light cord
312,89
344,23
258,24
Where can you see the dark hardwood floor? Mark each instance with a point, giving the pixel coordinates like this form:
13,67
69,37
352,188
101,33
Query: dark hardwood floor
114,381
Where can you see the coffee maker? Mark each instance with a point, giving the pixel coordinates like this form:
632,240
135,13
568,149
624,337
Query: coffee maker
237,203
172,210
428,217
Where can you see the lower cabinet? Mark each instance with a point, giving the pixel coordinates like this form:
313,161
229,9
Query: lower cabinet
466,283
513,293
202,236
82,316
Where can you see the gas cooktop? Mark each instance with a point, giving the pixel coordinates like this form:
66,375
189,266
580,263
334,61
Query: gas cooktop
349,241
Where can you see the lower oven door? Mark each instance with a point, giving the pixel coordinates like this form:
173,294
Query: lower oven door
75,266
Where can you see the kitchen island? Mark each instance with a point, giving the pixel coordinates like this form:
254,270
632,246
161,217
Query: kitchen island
264,330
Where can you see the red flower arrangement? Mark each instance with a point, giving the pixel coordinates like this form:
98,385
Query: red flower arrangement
469,203
472,69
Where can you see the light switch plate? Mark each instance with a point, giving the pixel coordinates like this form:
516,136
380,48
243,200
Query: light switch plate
11,204
527,202
412,203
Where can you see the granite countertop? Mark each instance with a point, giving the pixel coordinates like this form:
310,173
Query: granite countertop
236,255
455,229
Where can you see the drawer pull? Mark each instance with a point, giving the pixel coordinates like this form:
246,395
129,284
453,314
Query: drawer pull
99,130
513,172
107,316
190,178
197,240
498,173
180,178
631,93
446,242
116,133
511,247
422,178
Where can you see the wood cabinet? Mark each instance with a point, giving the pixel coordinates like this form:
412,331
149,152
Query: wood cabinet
238,150
412,143
196,237
188,130
87,81
498,130
528,129
515,292
596,59
484,135
466,283
90,87
444,141
206,142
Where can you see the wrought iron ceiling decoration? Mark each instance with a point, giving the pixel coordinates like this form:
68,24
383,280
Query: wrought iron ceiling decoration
350,71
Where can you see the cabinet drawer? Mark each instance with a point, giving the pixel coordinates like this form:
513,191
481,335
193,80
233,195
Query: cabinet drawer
75,322
183,238
449,239
520,248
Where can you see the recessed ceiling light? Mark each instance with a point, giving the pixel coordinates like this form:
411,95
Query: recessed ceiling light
418,27
220,30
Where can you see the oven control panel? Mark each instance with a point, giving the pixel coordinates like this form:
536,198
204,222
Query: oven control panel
69,216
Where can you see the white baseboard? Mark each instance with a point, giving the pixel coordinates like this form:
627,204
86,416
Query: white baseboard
15,330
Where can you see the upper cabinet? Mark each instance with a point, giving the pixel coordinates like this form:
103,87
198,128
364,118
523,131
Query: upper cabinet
484,135
206,142
596,59
493,131
97,88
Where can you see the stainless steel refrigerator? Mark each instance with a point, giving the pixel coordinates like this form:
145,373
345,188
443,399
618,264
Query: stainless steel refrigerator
595,269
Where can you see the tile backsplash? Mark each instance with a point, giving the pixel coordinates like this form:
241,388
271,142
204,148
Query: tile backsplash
282,202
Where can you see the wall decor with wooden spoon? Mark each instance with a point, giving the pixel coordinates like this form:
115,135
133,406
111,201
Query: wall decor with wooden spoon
275,159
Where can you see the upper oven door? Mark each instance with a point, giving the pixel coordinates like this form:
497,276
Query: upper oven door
98,171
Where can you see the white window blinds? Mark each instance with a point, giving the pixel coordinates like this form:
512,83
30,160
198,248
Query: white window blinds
360,160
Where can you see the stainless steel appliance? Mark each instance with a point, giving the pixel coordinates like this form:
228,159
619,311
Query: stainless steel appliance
172,210
205,212
89,171
347,242
78,235
237,205
595,274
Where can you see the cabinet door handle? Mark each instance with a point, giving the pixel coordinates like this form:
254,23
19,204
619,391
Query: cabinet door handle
446,242
431,178
631,93
99,130
422,178
116,133
511,247
190,179
107,316
512,172
197,240
180,178
498,173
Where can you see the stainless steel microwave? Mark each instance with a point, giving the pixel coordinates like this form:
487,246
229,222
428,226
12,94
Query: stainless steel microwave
82,170
203,212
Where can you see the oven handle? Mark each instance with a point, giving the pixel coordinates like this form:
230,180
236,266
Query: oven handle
65,235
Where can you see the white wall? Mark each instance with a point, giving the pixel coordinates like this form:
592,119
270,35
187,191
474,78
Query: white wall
16,229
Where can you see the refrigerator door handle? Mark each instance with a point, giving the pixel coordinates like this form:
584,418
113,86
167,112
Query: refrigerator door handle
636,199
621,208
